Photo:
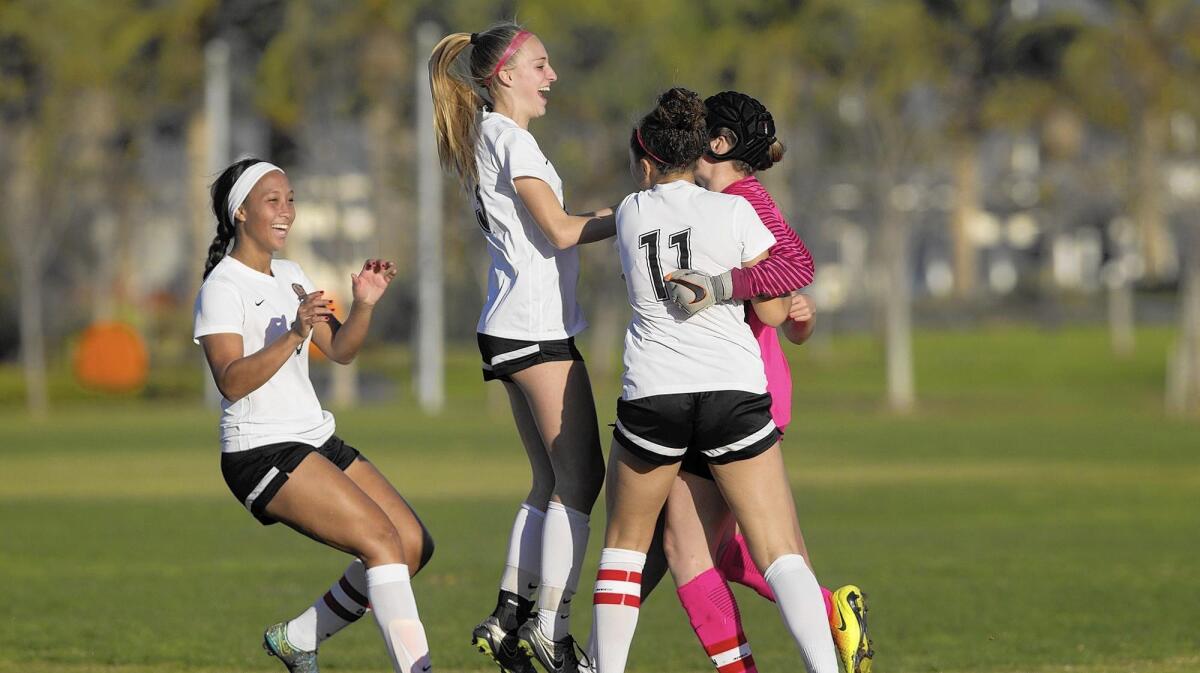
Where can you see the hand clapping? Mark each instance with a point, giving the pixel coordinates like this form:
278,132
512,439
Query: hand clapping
369,284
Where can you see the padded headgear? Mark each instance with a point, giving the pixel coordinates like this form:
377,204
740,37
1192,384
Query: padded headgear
750,122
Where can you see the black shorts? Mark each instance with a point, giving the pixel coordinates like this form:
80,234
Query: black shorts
504,357
694,463
713,427
256,475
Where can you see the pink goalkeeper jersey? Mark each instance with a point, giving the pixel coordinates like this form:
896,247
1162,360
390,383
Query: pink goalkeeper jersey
788,249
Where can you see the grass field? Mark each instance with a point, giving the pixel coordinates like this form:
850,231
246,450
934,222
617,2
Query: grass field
1037,513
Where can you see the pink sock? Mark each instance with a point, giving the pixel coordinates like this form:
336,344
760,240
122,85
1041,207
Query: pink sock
736,565
828,596
714,615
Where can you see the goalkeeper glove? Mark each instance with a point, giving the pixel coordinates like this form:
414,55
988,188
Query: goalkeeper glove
693,291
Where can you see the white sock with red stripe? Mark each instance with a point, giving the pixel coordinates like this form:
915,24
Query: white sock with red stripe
616,605
395,610
340,607
523,566
799,598
564,543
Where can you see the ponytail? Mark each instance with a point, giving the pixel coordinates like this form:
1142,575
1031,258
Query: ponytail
459,96
455,105
226,228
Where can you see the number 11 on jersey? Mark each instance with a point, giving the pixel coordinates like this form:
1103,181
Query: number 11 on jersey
681,241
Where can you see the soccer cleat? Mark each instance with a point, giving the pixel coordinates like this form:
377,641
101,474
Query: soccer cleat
501,646
556,656
849,624
296,660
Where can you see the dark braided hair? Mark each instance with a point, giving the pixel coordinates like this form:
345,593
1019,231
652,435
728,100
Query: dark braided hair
674,132
220,198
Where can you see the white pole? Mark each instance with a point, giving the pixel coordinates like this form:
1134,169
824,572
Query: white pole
430,292
216,114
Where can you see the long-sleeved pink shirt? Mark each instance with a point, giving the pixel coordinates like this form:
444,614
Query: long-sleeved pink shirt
788,268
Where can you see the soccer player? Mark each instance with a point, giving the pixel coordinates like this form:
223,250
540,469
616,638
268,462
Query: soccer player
255,317
487,87
699,532
694,384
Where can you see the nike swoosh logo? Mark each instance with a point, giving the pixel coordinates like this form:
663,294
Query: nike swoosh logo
842,619
696,290
259,302
532,586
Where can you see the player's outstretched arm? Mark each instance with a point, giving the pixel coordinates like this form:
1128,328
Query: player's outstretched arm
238,375
340,342
561,228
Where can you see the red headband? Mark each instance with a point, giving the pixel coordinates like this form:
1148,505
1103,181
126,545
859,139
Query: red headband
513,46
638,133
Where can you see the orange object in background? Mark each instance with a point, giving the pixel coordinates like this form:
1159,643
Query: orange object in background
111,356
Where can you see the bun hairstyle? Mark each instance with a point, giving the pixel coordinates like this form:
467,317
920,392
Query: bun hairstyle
460,90
748,127
220,205
674,134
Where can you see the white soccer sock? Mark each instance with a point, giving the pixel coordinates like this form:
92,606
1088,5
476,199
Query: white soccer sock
799,598
615,607
340,607
395,610
523,567
564,543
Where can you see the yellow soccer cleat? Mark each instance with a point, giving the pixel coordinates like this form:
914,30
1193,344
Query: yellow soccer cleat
849,625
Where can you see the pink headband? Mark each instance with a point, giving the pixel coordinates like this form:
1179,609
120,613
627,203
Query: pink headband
513,46
638,133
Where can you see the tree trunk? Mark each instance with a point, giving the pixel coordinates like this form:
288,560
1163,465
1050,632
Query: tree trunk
1183,369
1158,251
896,294
1120,317
966,208
25,237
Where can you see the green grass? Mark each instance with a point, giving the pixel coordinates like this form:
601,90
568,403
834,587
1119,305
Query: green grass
1038,512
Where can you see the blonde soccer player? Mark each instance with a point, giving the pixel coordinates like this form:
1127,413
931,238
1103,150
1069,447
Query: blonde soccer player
488,88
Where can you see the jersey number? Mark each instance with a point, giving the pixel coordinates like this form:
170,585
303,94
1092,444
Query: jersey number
480,213
681,240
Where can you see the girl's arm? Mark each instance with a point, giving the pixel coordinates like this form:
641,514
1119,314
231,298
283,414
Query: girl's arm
772,311
802,318
339,341
789,268
238,375
561,228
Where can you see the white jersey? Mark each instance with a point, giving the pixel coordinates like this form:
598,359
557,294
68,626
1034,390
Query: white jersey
531,284
673,226
236,299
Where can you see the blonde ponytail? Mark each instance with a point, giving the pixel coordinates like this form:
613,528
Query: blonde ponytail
456,97
455,108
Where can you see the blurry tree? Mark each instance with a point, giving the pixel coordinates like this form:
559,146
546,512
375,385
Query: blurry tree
998,66
874,56
1130,72
77,80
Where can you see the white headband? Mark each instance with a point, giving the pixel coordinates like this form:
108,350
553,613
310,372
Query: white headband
245,182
